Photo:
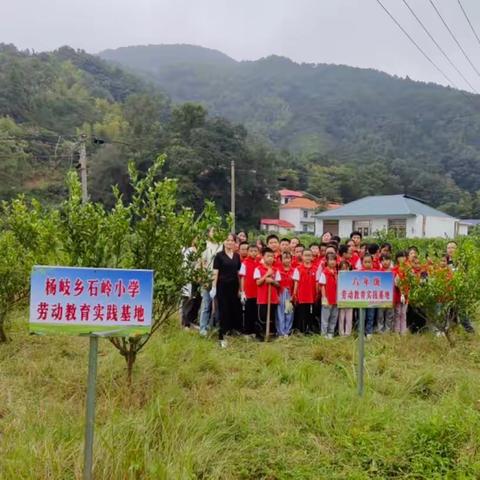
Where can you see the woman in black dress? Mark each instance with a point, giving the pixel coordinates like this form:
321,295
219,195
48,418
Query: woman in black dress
226,287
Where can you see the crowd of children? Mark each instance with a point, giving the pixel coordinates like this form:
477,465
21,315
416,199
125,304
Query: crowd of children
283,286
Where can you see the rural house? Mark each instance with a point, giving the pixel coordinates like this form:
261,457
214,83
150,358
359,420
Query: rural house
405,215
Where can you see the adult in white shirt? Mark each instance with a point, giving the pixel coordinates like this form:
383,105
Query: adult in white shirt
208,255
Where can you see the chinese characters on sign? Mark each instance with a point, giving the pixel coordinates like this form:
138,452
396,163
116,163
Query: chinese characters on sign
369,289
83,300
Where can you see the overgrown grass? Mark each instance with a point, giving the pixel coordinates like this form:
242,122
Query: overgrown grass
285,410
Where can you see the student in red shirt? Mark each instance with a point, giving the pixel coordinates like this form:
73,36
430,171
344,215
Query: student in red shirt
345,253
285,306
315,249
355,261
284,245
328,284
385,315
248,289
273,243
374,251
294,241
298,255
356,237
305,294
267,278
243,250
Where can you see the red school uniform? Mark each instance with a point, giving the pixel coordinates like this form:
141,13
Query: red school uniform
286,280
262,290
295,262
246,271
398,276
354,259
307,283
328,279
277,262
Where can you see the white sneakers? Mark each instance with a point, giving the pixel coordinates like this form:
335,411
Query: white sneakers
223,344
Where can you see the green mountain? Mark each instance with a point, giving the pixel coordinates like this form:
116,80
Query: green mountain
48,99
389,134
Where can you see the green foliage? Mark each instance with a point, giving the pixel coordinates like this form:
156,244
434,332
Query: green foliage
28,236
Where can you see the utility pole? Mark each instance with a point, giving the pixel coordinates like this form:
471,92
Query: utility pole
232,193
83,167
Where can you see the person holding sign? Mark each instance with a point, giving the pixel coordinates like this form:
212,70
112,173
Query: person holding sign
385,315
328,285
268,280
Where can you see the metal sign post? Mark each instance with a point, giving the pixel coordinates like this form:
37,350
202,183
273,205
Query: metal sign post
90,411
361,351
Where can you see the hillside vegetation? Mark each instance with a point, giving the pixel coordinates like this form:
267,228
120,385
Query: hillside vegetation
48,99
390,135
285,410
338,132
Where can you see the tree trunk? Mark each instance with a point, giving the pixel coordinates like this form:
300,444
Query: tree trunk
3,334
130,358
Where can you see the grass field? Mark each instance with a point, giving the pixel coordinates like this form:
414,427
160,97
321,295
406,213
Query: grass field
285,410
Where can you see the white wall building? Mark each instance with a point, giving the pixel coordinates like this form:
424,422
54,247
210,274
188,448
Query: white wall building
405,215
300,212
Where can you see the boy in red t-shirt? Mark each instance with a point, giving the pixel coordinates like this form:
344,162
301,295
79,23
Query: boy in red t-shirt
268,280
297,255
315,249
273,243
285,306
248,289
305,294
385,315
374,251
328,284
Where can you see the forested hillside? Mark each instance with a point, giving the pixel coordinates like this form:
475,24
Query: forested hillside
350,131
339,132
48,99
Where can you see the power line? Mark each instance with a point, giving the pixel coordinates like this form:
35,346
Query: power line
454,37
468,20
438,46
417,46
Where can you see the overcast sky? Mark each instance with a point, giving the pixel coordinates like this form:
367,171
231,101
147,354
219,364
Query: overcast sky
352,32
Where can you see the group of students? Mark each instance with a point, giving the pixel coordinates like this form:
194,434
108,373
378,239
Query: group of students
283,286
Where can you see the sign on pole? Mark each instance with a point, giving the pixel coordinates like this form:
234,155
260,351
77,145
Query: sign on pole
95,302
79,301
365,289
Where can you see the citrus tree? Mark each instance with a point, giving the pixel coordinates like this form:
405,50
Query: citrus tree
28,236
149,232
443,294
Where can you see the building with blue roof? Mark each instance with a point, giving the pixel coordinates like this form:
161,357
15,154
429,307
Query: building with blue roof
403,214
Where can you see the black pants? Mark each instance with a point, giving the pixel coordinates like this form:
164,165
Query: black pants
190,307
261,323
304,319
229,316
249,316
317,316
